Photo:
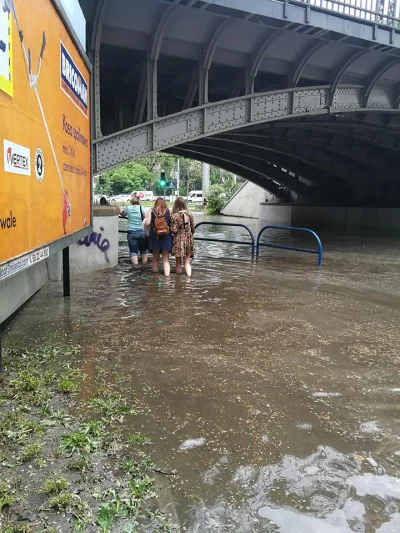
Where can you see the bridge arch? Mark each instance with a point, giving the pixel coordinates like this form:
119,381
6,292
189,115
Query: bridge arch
327,110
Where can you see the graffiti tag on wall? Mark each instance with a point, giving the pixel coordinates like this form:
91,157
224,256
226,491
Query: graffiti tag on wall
96,239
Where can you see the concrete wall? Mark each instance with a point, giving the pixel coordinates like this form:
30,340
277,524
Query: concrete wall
99,250
338,217
15,291
275,214
246,201
96,251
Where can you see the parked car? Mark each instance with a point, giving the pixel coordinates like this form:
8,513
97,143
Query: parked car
120,198
195,196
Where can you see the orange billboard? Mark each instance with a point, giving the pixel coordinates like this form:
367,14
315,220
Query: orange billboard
45,147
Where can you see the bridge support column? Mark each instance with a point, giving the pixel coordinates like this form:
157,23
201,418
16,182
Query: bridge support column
141,97
249,82
203,85
96,94
206,178
152,97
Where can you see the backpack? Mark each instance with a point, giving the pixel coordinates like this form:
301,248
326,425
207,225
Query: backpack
161,228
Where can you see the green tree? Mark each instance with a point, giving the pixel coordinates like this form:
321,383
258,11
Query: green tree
126,178
191,175
155,163
216,199
144,173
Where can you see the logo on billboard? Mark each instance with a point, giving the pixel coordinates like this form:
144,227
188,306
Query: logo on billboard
39,165
73,83
17,158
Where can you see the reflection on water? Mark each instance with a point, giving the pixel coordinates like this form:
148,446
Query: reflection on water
271,387
326,492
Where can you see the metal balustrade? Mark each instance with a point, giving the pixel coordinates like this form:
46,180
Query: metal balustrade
319,252
380,12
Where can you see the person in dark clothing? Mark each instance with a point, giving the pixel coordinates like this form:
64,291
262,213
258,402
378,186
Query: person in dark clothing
159,244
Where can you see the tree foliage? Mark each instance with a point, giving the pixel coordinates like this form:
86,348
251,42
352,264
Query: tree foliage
216,199
124,179
144,174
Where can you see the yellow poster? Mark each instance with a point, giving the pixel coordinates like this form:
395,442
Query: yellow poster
6,64
44,129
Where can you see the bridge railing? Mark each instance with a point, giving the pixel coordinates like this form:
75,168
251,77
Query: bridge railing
252,243
318,252
381,12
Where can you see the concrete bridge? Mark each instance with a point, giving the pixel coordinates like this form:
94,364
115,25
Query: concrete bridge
303,95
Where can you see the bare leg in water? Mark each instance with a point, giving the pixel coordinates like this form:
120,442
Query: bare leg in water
178,265
188,266
167,266
156,260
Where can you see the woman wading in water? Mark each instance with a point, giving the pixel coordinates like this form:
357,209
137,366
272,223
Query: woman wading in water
160,239
182,228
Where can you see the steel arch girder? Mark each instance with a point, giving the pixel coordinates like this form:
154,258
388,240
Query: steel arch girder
314,158
332,143
158,35
267,176
282,160
340,72
97,31
257,58
300,64
377,75
206,61
377,138
255,177
100,14
216,118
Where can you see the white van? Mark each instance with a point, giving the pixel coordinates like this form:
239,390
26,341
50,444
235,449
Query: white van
195,196
146,196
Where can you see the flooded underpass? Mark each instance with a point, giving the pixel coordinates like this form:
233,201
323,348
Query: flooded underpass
271,388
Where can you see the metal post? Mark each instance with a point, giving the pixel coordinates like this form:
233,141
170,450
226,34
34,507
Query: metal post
152,98
66,273
96,95
206,178
203,85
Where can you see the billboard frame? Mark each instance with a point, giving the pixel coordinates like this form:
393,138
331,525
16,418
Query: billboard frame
64,242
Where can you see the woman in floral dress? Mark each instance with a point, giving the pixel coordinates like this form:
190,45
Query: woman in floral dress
182,228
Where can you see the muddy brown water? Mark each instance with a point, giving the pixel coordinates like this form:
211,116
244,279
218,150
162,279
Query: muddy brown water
288,373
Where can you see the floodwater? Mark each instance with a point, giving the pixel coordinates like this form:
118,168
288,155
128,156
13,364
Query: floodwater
271,387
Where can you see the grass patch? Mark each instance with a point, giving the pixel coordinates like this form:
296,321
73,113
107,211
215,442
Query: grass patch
31,451
54,486
138,439
66,501
67,386
22,528
7,496
36,427
80,465
54,415
110,405
83,440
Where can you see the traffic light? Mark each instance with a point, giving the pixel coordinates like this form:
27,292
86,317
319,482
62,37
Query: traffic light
163,180
102,181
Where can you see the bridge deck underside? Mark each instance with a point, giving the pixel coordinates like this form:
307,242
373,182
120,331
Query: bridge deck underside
279,101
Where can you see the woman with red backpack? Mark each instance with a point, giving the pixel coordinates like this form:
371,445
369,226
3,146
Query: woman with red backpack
160,238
